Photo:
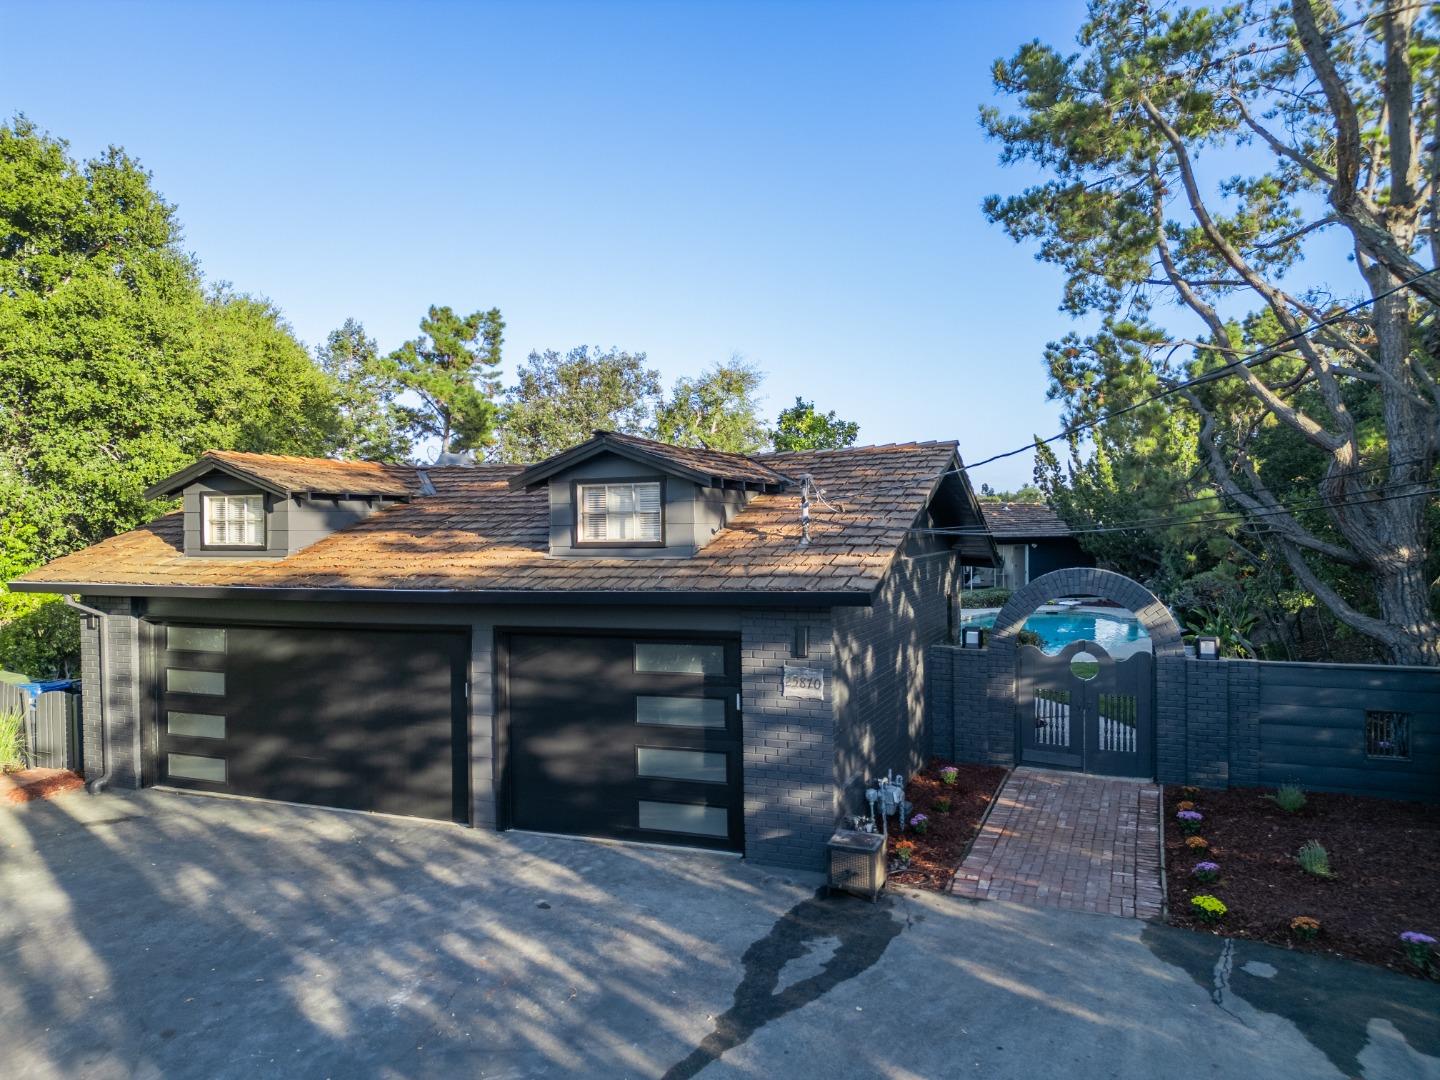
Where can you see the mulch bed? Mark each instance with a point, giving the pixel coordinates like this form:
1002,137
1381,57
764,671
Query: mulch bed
1385,856
939,850
28,785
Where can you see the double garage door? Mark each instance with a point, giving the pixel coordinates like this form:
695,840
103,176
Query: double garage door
361,719
634,737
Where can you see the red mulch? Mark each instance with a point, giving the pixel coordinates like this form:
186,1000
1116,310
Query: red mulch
27,785
1385,856
939,850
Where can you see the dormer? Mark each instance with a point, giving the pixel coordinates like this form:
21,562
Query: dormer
267,506
622,496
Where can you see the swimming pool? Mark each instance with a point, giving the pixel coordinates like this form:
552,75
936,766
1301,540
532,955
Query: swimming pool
1119,634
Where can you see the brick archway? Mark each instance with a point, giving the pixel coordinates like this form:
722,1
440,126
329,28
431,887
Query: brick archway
1154,616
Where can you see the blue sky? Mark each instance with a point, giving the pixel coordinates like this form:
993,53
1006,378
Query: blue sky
795,182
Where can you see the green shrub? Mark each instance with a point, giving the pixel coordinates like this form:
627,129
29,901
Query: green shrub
983,598
1030,637
1208,908
941,805
12,742
1314,859
1289,797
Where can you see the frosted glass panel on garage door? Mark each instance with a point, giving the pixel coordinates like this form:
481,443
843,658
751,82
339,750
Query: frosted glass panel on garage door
684,712
685,818
681,658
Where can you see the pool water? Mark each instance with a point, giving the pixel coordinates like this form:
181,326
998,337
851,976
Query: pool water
1112,633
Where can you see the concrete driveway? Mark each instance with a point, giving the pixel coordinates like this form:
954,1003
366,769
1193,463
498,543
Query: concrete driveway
159,935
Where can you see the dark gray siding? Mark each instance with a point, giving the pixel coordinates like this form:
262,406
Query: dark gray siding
1311,720
693,514
277,533
290,523
880,655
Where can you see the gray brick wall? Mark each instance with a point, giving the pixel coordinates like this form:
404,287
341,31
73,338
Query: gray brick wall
121,688
880,683
791,805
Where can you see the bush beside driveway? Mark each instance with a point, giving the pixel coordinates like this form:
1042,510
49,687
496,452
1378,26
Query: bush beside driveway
154,935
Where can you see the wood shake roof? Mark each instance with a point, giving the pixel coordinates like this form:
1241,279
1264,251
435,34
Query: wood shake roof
296,475
1023,521
478,534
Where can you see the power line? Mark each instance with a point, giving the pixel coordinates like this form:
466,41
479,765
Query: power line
1255,359
1155,523
1222,496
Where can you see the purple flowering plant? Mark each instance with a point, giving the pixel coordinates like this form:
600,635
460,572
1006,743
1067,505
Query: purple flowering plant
950,775
1206,870
1189,820
920,823
1420,951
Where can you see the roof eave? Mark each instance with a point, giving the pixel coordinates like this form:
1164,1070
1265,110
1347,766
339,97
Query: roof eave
668,598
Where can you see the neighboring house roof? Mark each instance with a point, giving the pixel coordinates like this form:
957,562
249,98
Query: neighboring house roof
297,475
479,534
1023,521
710,467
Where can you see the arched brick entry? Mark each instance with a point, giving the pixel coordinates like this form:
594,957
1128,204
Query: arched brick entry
1164,632
995,725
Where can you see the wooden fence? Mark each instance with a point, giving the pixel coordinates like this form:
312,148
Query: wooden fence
52,725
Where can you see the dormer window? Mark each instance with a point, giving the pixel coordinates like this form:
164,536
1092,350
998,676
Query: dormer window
624,513
234,521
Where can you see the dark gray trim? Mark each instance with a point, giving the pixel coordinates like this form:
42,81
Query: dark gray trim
575,485
202,468
544,470
706,598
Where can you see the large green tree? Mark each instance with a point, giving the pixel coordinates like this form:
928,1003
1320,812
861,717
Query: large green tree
452,369
719,410
800,427
116,365
1196,155
370,423
559,400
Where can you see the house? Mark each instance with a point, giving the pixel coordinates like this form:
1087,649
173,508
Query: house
629,639
1032,540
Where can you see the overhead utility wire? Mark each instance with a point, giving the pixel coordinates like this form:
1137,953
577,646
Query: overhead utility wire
1222,496
1255,359
1229,515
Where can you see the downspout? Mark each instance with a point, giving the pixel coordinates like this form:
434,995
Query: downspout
99,783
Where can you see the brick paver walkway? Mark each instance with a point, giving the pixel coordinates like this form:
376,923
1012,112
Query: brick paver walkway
1066,840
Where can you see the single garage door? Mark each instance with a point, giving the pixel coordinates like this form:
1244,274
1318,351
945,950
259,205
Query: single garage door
362,719
630,737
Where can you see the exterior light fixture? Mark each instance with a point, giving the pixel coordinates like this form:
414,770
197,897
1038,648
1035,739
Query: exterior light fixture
972,637
800,647
1207,648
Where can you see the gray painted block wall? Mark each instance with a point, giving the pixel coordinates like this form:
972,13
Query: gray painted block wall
121,688
1228,723
881,654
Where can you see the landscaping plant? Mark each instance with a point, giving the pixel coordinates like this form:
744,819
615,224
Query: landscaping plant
950,775
1305,928
1289,797
1420,951
1197,843
12,742
1314,859
920,823
1189,820
904,850
1206,871
1185,804
941,805
1208,909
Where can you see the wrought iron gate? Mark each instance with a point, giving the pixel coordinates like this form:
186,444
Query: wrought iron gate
1101,720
